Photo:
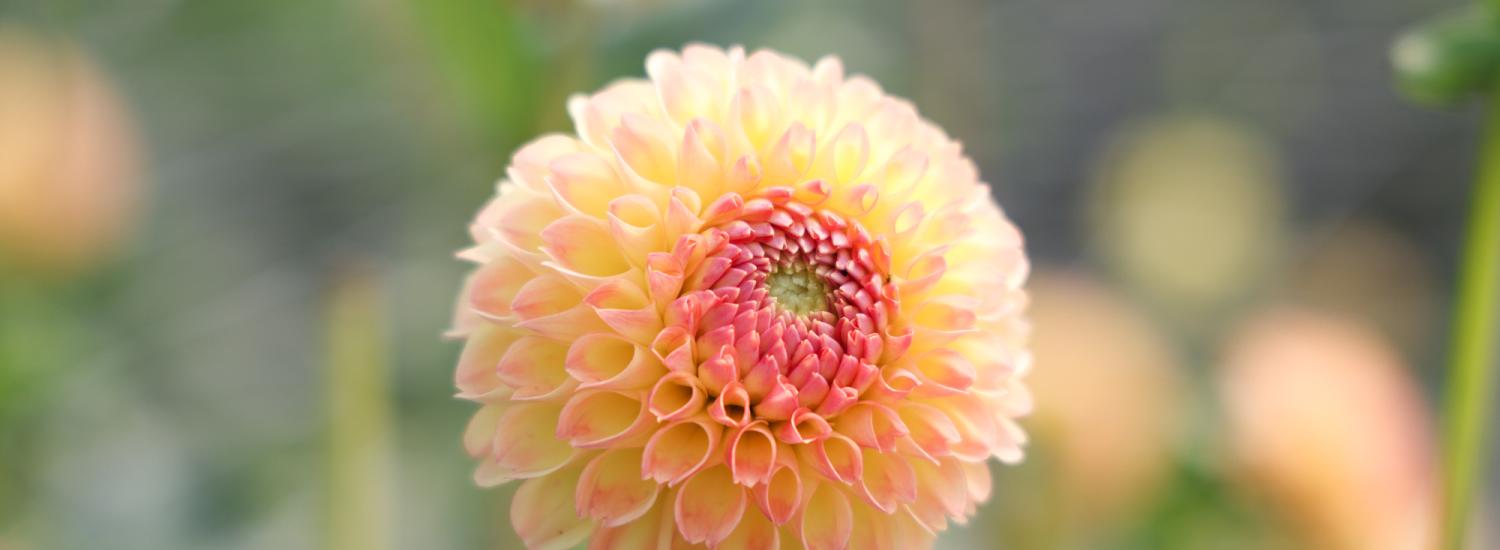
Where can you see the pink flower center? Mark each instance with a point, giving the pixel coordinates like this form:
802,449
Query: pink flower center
796,314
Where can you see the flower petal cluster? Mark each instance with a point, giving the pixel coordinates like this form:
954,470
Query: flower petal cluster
750,304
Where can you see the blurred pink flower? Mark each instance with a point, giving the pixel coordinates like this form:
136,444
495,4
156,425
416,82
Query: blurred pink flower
1326,424
69,178
751,304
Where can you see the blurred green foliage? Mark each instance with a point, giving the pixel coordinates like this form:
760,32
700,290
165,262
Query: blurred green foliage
174,397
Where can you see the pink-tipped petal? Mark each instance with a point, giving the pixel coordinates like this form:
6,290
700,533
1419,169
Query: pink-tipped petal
732,407
678,450
708,506
648,531
494,287
611,490
580,245
888,481
836,458
609,362
754,532
585,182
780,497
477,376
804,426
524,445
594,419
676,396
750,453
533,366
872,426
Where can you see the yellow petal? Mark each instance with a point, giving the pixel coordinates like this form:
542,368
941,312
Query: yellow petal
543,512
827,519
585,182
524,445
611,490
605,361
533,366
708,506
595,419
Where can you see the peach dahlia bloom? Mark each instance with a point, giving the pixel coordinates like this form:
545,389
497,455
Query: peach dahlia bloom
751,304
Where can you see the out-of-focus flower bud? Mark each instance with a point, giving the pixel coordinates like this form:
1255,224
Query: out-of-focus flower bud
1188,209
1328,429
1109,397
1450,58
69,170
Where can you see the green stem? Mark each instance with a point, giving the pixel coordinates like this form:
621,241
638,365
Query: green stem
1471,371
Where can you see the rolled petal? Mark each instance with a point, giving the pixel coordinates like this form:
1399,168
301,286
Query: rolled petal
804,426
625,308
732,407
608,362
780,497
678,450
636,224
750,453
594,419
676,396
836,458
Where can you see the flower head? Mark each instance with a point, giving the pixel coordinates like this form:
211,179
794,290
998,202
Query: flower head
751,304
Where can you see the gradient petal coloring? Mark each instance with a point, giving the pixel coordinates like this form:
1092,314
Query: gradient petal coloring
751,303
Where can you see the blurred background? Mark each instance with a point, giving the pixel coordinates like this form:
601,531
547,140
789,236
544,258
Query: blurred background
226,237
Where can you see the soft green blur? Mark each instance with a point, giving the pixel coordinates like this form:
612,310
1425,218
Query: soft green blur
224,328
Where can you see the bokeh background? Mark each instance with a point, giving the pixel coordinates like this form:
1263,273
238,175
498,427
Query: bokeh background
226,237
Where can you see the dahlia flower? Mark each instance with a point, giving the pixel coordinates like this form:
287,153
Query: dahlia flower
750,304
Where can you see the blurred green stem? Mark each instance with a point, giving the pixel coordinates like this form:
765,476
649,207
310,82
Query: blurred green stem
360,499
1471,368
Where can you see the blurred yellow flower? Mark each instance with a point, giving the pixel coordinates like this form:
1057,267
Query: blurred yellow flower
1325,423
69,178
751,304
1188,209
